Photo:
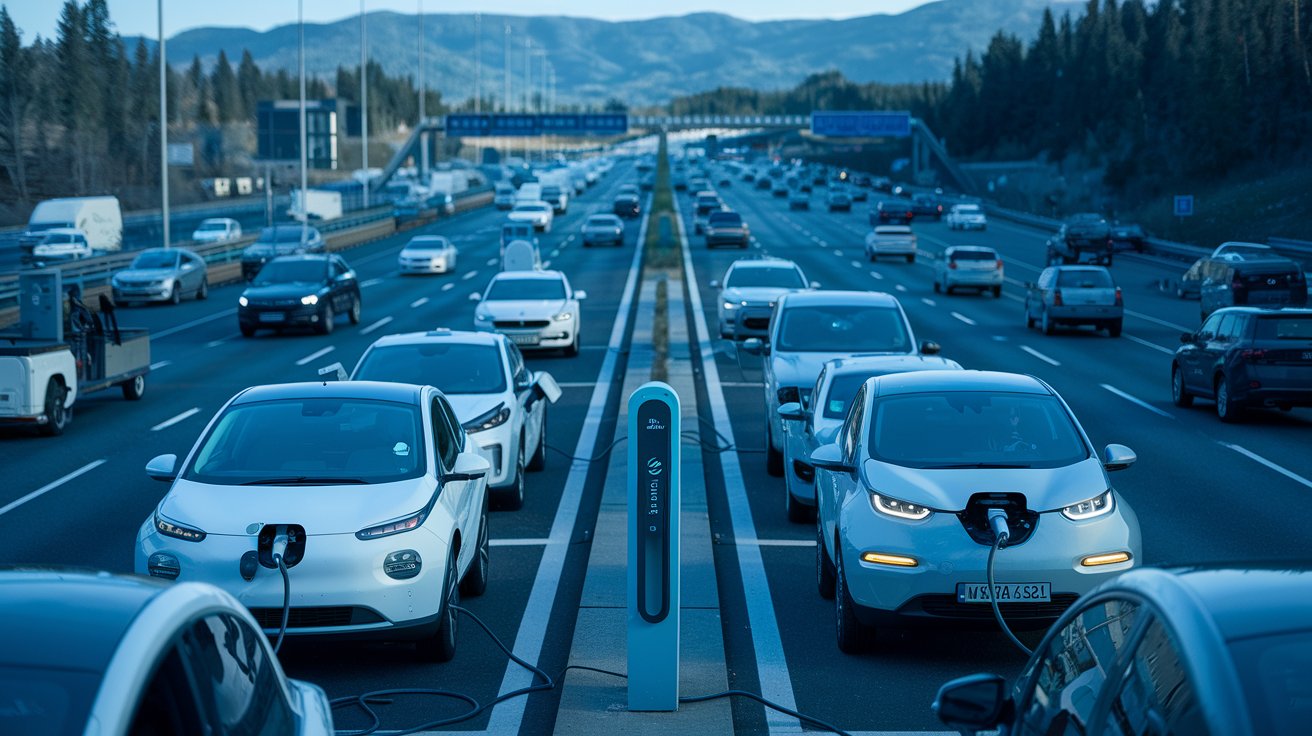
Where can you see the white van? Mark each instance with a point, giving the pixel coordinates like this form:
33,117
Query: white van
99,219
529,192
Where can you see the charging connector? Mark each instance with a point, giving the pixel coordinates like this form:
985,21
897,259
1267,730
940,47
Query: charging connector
998,523
1001,533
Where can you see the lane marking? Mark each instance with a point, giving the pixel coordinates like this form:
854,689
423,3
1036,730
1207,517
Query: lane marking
421,301
181,417
555,253
963,318
775,543
546,265
877,275
838,252
469,275
856,264
188,325
1154,320
216,343
445,287
508,716
1039,355
576,384
51,486
526,542
1147,344
369,283
1242,451
160,364
316,355
928,302
741,384
491,261
375,325
1012,297
1137,401
767,643
899,287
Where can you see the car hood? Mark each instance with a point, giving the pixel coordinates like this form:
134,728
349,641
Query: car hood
468,406
282,291
517,309
1045,489
755,294
146,274
231,510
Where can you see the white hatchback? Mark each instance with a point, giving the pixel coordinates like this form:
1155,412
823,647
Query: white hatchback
969,267
966,217
535,309
427,254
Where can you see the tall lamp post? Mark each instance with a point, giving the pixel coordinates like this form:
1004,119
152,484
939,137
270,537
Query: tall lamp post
423,94
300,41
163,128
364,101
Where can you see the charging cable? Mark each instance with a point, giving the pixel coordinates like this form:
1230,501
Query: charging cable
998,523
279,550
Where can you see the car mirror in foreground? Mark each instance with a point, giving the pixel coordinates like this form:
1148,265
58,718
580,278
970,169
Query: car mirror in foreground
469,466
829,457
475,297
715,283
163,468
754,346
929,347
791,411
1117,457
580,295
972,703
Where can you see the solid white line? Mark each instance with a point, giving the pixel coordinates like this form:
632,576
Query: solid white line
421,301
375,325
446,287
170,422
161,364
1137,401
576,384
1242,451
508,716
188,325
1147,344
538,542
316,355
469,275
51,486
1039,355
1155,320
929,302
775,542
767,643
963,318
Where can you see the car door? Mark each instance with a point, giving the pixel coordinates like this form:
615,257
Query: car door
844,485
1215,349
1036,300
343,285
531,411
193,272
1191,355
453,494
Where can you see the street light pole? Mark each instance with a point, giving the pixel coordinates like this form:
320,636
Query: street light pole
300,33
364,100
478,63
505,106
163,128
423,94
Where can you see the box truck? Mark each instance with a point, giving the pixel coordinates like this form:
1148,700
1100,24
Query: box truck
99,219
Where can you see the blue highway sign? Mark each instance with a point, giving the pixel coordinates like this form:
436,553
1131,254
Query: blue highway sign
532,124
865,124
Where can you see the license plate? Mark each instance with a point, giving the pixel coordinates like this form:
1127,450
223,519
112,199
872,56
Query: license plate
272,317
524,339
1005,592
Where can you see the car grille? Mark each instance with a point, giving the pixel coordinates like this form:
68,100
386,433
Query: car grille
312,617
275,302
520,323
946,606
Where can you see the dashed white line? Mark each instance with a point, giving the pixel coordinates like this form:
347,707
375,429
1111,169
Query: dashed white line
877,275
369,283
963,318
375,325
856,264
215,343
838,252
491,261
174,420
1242,451
929,302
899,287
469,275
775,542
576,384
51,486
160,364
555,252
316,355
446,287
421,301
1147,344
1039,355
525,542
188,325
1012,297
1154,320
1137,401
546,265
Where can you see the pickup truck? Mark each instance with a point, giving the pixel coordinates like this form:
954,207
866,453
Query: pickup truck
1082,239
41,379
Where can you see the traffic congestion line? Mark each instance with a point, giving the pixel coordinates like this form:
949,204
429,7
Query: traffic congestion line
508,716
1246,453
174,420
316,355
52,485
767,642
1137,401
1040,356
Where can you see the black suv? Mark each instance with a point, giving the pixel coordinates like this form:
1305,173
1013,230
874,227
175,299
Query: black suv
627,205
300,291
1246,357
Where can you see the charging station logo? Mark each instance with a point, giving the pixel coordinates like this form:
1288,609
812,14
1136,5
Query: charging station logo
654,467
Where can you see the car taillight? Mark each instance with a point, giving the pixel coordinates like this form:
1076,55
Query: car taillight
1056,298
1119,301
1252,355
999,264
952,265
788,394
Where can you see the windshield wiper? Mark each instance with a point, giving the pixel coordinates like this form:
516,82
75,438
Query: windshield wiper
301,480
958,466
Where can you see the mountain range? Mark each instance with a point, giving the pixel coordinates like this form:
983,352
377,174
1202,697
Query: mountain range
641,62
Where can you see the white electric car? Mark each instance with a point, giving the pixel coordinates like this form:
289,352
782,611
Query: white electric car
537,213
427,254
366,492
535,309
969,267
496,398
807,426
749,291
907,488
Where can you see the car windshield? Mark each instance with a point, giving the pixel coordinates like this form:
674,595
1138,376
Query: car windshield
1276,681
427,243
781,277
285,234
208,226
49,700
842,328
453,367
59,239
974,255
974,429
841,392
1084,279
525,289
603,221
968,209
1284,327
156,259
302,441
291,272
726,219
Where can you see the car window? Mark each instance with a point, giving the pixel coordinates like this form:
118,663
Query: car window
1276,681
1290,327
155,259
852,427
340,268
1084,279
842,391
167,705
236,684
525,289
51,700
1067,677
1211,326
444,435
974,255
518,371
453,367
842,328
1156,697
1225,329
783,277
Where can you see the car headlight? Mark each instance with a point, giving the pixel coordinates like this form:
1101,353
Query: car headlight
563,317
1092,508
899,509
494,417
730,306
482,317
405,524
177,531
310,300
243,301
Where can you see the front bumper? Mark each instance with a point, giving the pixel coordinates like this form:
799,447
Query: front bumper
553,335
423,265
147,292
275,317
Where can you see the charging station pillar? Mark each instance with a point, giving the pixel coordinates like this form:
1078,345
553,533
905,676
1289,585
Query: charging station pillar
653,580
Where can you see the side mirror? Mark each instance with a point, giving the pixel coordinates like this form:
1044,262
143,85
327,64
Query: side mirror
469,466
815,284
475,297
547,386
163,468
792,411
829,457
715,283
929,347
972,703
1117,457
580,295
755,346
1186,338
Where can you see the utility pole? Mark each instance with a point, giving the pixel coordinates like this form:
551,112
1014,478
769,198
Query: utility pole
364,102
505,106
423,94
164,129
300,41
478,63
528,84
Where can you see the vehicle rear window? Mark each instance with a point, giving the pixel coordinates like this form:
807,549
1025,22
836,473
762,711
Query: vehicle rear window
960,429
842,328
525,289
296,441
726,218
208,226
455,368
603,221
1084,279
781,277
974,255
1284,327
1276,681
1270,279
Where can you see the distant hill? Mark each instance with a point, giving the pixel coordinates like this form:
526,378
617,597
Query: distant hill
640,62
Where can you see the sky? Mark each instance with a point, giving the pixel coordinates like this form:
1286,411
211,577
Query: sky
138,17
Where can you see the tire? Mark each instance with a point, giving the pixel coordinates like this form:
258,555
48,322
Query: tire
326,320
1047,325
57,415
441,646
475,580
1029,319
854,637
1114,328
573,348
948,289
134,389
203,292
824,567
873,258
911,258
354,314
512,498
938,288
997,292
539,459
1227,409
774,459
247,330
175,294
1180,395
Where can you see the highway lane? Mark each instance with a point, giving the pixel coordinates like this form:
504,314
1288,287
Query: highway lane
1118,389
201,361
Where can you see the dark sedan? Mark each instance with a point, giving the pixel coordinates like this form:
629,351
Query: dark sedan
727,228
627,205
890,212
300,291
1187,651
279,240
926,205
1129,237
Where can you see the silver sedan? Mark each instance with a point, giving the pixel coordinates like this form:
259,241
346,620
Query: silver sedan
1075,295
161,275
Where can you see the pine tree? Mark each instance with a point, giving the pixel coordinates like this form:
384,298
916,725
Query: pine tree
227,98
15,98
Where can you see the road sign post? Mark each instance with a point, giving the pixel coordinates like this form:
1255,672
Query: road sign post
653,564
